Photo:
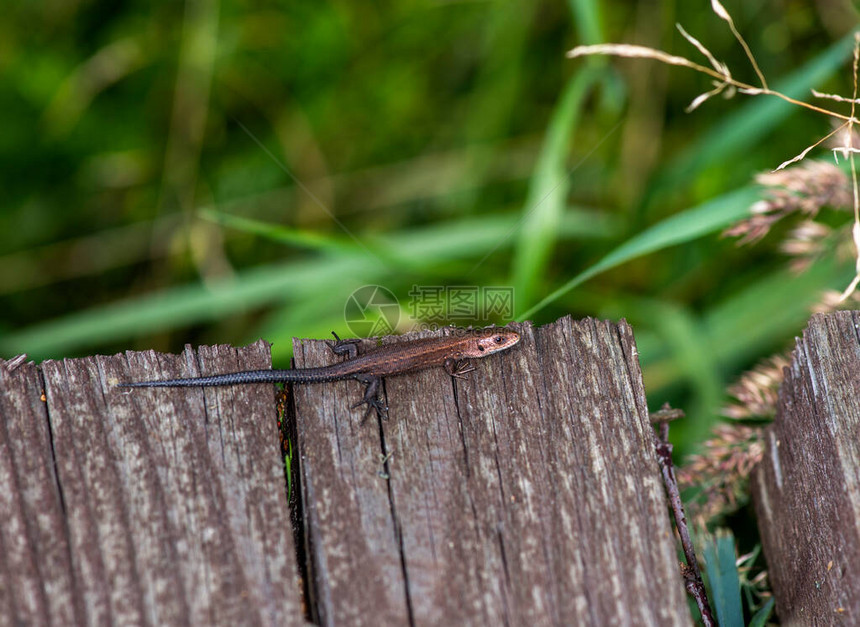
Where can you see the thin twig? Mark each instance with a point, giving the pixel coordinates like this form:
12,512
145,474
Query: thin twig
806,150
834,97
665,414
850,150
850,134
692,575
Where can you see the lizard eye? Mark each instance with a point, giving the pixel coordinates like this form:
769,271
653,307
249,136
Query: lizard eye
500,339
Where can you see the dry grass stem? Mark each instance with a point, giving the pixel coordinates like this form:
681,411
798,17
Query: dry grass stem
718,87
834,97
806,150
641,52
779,205
721,12
721,68
850,150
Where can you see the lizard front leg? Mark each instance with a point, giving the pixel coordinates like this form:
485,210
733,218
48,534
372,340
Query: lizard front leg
458,368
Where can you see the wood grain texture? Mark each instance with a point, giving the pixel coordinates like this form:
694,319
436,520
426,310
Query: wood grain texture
143,506
807,488
527,494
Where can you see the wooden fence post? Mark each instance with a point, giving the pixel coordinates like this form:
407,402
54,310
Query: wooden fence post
154,508
807,487
527,494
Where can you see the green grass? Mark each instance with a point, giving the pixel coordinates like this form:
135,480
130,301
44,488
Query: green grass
234,171
724,582
151,163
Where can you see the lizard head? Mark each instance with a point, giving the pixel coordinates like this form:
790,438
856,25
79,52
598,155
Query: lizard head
488,341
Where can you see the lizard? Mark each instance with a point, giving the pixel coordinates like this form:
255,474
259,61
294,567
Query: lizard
450,352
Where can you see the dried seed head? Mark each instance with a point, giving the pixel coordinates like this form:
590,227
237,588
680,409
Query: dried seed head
756,391
721,473
805,242
802,189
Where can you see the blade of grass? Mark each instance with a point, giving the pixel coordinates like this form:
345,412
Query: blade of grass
417,247
761,617
300,238
186,305
750,321
761,318
548,188
274,283
588,20
685,226
467,238
777,306
680,331
725,584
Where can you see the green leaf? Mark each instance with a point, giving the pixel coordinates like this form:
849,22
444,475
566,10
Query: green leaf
310,281
725,584
754,321
686,226
549,187
679,331
188,304
588,20
749,322
761,617
299,238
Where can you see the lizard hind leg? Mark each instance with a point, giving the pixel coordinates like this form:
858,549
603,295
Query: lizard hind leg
348,347
371,398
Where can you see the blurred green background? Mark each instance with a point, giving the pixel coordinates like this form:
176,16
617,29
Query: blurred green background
215,172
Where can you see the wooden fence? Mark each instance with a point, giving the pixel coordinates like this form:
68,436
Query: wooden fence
528,493
807,488
131,508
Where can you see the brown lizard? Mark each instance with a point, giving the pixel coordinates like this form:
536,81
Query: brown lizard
450,352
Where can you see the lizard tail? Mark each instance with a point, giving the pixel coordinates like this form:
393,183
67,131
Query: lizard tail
251,376
301,375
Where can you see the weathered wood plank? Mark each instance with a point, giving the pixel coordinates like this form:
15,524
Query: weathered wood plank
36,584
527,494
143,506
807,488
